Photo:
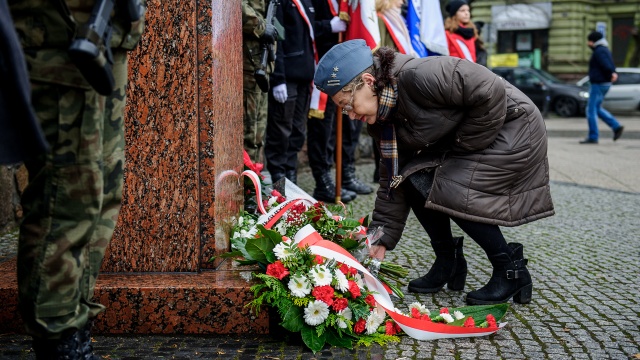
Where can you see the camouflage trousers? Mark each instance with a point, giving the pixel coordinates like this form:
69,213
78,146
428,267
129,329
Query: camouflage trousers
71,204
255,117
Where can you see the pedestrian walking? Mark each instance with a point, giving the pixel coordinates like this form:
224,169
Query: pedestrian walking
72,200
460,30
602,72
458,143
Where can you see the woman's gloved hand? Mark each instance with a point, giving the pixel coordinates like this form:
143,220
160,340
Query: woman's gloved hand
337,25
280,93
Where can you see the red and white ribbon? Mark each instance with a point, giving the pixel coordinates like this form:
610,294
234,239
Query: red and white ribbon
416,328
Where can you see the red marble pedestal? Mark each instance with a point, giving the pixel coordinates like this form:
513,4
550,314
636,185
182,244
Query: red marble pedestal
183,129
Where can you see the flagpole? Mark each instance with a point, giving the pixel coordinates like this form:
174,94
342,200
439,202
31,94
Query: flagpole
338,144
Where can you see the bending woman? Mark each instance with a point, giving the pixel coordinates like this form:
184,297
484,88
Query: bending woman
458,143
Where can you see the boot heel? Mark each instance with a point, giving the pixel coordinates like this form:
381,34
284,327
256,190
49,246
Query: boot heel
457,282
524,295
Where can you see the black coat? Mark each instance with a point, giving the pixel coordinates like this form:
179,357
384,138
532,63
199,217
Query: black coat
294,56
20,133
325,39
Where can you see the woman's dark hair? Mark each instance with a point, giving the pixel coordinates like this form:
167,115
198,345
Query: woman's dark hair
383,65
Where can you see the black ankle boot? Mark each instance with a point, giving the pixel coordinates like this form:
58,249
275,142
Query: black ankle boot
65,348
326,190
449,268
351,182
86,348
510,279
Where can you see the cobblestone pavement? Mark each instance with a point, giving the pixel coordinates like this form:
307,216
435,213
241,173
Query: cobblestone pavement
584,264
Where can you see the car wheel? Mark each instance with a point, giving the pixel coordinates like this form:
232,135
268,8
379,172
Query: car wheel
566,107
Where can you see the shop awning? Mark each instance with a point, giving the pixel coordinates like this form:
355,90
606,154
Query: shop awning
521,16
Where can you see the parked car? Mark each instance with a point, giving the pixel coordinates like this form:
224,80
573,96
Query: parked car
547,91
624,94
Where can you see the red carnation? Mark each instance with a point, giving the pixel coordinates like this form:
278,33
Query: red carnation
323,293
319,260
491,321
353,271
390,328
354,289
344,268
359,326
340,304
397,326
415,313
370,300
277,270
469,322
425,317
444,311
281,199
275,192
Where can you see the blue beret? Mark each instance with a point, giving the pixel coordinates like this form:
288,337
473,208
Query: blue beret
341,64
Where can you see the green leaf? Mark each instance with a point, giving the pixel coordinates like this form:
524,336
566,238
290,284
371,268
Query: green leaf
274,236
366,221
349,244
246,262
231,254
258,249
350,223
311,338
293,319
336,340
479,313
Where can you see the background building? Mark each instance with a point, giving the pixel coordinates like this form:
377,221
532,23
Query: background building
552,34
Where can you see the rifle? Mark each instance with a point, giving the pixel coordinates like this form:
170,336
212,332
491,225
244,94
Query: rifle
267,51
90,50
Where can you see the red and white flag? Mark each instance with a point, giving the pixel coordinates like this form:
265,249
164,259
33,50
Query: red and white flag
363,21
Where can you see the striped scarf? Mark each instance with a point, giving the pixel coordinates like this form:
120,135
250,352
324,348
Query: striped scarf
388,146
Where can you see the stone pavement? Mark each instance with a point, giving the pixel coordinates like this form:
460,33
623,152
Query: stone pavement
584,264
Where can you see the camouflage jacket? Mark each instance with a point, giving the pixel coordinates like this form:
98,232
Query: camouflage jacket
253,26
46,29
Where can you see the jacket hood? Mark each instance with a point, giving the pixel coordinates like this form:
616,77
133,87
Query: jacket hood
601,42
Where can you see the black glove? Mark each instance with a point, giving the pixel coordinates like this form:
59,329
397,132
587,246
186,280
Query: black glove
270,34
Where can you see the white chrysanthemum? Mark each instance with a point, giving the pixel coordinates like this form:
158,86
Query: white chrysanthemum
348,314
272,200
321,275
244,233
240,220
281,227
421,308
299,286
447,317
282,251
251,221
374,321
458,315
342,282
358,279
316,312
235,235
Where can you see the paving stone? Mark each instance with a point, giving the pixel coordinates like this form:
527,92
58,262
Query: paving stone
568,318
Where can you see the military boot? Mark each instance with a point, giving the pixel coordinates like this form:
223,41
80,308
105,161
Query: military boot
326,190
351,182
65,348
86,348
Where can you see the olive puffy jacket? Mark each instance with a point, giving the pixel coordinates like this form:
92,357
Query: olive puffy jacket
484,138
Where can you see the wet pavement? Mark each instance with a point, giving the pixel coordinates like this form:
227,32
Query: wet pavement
584,262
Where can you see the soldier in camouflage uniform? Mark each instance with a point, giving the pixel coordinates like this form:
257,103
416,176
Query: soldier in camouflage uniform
73,197
254,32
